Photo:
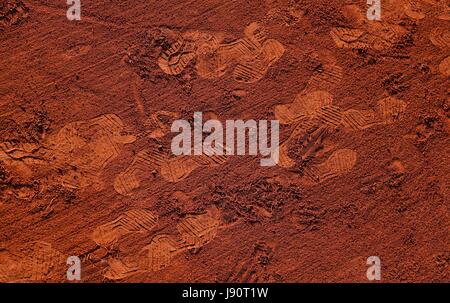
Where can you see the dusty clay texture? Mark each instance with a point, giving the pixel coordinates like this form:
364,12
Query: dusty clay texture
86,167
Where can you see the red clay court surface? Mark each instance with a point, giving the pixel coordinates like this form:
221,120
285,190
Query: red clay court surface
85,162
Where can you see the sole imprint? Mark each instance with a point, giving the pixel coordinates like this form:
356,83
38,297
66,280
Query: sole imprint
313,116
197,231
389,110
340,162
194,232
119,269
444,67
252,55
254,69
376,36
144,161
133,221
328,77
178,55
89,146
160,252
43,263
172,170
440,37
304,105
44,260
